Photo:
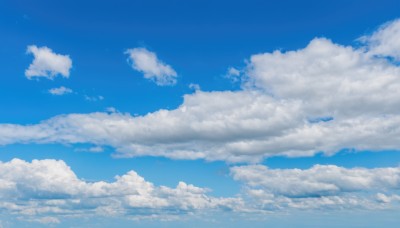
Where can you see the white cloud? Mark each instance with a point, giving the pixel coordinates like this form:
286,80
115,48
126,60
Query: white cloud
207,125
60,91
93,98
329,79
321,186
319,180
324,97
154,69
233,74
385,41
48,191
47,64
194,86
41,190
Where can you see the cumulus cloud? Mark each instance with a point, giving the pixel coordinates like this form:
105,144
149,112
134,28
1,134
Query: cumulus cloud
212,126
385,41
60,91
154,69
321,186
44,189
47,64
48,191
324,97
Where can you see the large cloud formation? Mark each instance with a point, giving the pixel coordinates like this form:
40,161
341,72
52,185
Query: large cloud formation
49,188
324,97
48,191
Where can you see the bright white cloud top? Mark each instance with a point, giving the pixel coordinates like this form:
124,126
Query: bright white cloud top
325,97
50,189
47,64
60,91
152,68
385,41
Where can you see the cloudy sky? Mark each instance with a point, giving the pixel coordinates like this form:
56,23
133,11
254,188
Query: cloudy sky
199,113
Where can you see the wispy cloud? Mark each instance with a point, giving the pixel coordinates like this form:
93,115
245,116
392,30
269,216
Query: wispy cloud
154,69
60,91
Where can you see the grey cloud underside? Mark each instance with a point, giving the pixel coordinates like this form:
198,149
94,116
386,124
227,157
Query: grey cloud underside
275,113
48,191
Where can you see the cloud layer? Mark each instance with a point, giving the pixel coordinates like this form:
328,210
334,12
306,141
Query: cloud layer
154,69
321,186
47,64
45,189
48,191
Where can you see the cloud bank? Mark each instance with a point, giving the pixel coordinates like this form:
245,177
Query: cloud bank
48,191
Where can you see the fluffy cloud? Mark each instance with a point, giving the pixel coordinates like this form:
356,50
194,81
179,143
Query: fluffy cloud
385,41
233,74
47,64
60,91
48,191
330,79
147,62
319,180
321,186
324,97
213,126
44,189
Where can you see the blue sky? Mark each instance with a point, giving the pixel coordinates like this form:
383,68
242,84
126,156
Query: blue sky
220,96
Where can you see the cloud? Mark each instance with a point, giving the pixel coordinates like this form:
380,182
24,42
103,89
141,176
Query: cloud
47,190
60,91
319,180
329,79
385,40
233,74
208,125
321,186
93,98
321,98
147,62
47,64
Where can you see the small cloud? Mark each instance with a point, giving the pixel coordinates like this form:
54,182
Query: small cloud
233,74
111,110
154,69
94,98
194,86
43,220
94,149
60,91
47,64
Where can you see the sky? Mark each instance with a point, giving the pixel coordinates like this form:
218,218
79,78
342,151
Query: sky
199,113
